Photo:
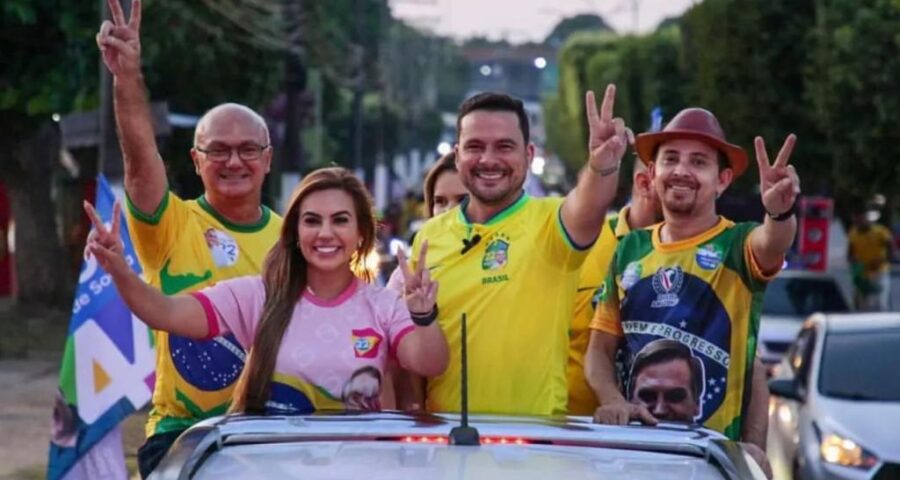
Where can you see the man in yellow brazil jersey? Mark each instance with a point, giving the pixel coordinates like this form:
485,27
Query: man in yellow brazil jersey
510,262
185,245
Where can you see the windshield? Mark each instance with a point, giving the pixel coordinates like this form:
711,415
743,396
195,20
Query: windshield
853,364
801,297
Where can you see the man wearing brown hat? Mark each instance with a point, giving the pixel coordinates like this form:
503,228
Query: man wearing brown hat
697,278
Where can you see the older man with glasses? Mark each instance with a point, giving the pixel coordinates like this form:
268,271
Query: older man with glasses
185,245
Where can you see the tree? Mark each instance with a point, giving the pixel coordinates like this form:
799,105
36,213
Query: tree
853,85
647,72
745,62
584,22
49,67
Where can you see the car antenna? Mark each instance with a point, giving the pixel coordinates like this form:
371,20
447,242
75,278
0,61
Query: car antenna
464,434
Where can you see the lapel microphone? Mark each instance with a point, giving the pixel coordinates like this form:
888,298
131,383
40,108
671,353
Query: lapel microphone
470,243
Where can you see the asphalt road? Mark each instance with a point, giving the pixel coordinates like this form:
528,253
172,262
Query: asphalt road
27,388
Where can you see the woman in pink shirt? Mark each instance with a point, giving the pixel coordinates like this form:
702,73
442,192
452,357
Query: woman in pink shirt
319,336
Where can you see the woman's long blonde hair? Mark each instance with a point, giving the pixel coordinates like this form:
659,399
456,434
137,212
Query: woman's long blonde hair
284,277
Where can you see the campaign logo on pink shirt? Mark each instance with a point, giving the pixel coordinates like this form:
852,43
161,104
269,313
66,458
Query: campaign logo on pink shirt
366,342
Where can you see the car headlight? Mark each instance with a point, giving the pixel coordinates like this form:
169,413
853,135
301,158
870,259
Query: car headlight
838,450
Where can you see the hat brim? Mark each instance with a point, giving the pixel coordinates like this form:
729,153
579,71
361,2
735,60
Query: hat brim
647,143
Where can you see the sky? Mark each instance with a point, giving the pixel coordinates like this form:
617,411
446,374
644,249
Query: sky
529,20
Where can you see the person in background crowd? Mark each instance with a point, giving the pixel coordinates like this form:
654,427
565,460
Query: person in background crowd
869,251
643,211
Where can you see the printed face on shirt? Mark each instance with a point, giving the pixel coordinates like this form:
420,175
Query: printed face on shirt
328,230
665,389
448,192
492,157
232,129
687,176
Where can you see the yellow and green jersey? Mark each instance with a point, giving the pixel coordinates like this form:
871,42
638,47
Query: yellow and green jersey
185,246
870,247
705,292
582,400
516,283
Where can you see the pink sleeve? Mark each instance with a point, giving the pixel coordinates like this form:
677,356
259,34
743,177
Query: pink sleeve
234,306
397,323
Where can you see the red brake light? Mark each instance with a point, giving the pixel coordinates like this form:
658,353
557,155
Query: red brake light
484,440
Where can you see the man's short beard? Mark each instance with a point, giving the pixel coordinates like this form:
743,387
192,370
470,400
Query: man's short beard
680,208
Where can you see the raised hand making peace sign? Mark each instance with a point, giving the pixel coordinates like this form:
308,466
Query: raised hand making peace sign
105,243
609,137
120,41
419,290
779,184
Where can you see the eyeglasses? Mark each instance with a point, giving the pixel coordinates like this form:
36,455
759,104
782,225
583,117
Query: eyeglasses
247,153
675,395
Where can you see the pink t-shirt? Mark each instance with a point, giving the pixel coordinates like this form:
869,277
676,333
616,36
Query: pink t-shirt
334,352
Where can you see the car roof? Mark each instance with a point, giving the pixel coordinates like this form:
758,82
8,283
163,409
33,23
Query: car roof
676,436
860,322
557,446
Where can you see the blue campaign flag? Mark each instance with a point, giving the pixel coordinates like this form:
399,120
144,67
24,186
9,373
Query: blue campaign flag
107,369
656,119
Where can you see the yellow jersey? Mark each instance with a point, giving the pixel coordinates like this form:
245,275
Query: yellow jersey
870,247
514,277
705,292
185,246
582,400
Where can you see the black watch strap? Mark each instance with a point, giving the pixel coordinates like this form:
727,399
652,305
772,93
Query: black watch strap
784,216
424,320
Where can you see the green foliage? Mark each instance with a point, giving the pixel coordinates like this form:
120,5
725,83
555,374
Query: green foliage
48,58
579,23
745,62
854,79
647,72
194,57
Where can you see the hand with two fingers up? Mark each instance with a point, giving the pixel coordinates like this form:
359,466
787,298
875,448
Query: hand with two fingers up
419,290
119,40
105,244
779,184
608,137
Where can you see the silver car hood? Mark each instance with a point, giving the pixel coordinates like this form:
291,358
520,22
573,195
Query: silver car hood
873,425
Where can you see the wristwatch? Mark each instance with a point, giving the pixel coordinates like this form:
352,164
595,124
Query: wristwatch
784,216
424,319
604,172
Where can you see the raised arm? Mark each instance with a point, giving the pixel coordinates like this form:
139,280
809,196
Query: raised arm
779,186
120,43
423,351
585,207
182,315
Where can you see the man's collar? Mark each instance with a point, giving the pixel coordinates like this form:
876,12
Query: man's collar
497,217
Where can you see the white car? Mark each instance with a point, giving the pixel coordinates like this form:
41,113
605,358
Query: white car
390,445
790,298
835,410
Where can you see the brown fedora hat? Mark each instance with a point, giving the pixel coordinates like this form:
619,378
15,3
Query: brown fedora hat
693,124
